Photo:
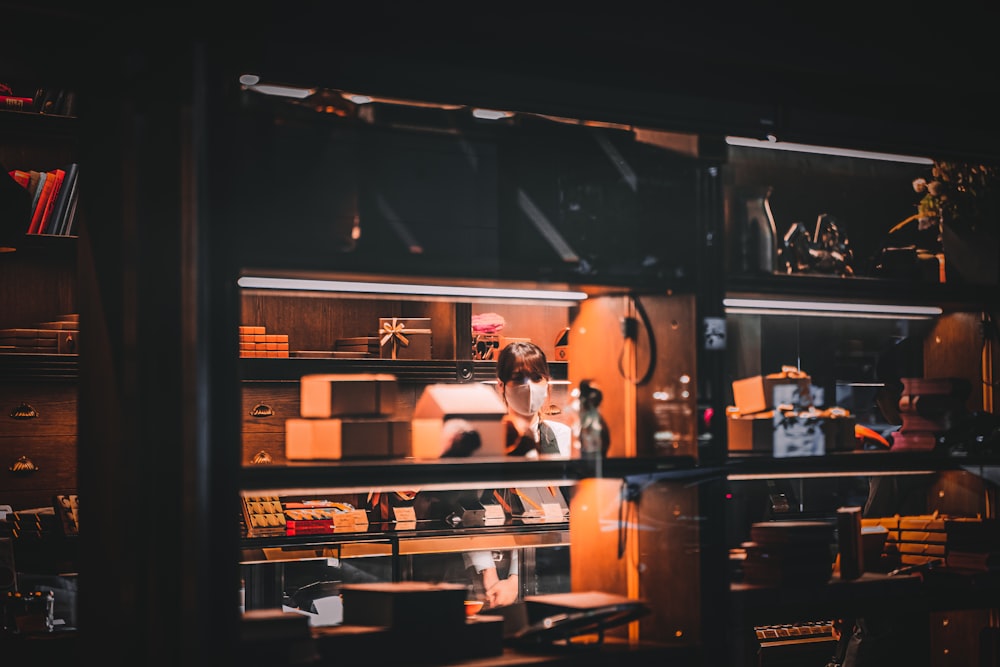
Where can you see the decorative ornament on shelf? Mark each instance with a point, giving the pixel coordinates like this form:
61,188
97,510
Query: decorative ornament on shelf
957,218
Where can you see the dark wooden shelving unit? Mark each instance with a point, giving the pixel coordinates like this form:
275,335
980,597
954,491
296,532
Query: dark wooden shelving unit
401,473
292,369
855,463
39,366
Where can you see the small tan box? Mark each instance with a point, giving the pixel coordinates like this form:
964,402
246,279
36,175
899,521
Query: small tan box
751,432
444,407
338,395
319,439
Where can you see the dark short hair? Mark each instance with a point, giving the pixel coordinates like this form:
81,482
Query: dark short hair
521,357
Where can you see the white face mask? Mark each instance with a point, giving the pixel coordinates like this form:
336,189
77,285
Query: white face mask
527,398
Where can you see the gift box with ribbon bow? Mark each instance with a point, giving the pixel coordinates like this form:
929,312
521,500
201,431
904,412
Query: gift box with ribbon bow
405,337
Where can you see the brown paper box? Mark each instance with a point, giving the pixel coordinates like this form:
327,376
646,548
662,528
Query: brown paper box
756,394
362,344
474,406
407,607
317,439
340,394
759,433
405,338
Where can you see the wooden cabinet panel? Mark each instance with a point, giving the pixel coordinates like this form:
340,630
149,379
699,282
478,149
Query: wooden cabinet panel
37,442
259,448
266,406
31,409
54,461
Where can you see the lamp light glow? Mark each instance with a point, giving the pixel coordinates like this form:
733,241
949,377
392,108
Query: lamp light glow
774,144
278,90
739,306
742,477
365,287
491,114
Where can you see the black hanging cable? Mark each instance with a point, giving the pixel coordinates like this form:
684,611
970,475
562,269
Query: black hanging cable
623,502
650,336
626,513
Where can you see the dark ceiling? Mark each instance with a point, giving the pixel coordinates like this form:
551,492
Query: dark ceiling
905,71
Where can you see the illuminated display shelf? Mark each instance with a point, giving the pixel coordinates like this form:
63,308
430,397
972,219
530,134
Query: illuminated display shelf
455,473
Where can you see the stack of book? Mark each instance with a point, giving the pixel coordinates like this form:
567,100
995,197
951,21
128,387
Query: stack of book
54,195
926,408
56,337
362,345
49,101
921,539
973,544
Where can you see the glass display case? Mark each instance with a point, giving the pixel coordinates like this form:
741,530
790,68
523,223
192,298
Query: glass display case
845,281
860,366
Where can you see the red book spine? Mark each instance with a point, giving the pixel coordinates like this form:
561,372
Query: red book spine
44,227
22,177
17,103
43,198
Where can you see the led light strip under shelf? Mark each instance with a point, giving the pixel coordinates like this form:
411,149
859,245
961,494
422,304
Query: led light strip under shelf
735,306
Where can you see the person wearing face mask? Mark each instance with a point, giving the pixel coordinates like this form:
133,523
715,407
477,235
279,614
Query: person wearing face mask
523,382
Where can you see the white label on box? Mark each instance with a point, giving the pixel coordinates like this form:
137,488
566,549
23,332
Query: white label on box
329,611
797,437
552,511
343,521
360,517
404,513
494,512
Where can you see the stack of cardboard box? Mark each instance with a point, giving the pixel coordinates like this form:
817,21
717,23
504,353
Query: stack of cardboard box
776,414
347,416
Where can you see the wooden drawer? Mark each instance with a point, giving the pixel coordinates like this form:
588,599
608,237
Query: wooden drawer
54,460
266,406
37,408
262,445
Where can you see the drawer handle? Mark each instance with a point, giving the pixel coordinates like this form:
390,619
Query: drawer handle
23,466
261,410
24,411
261,458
